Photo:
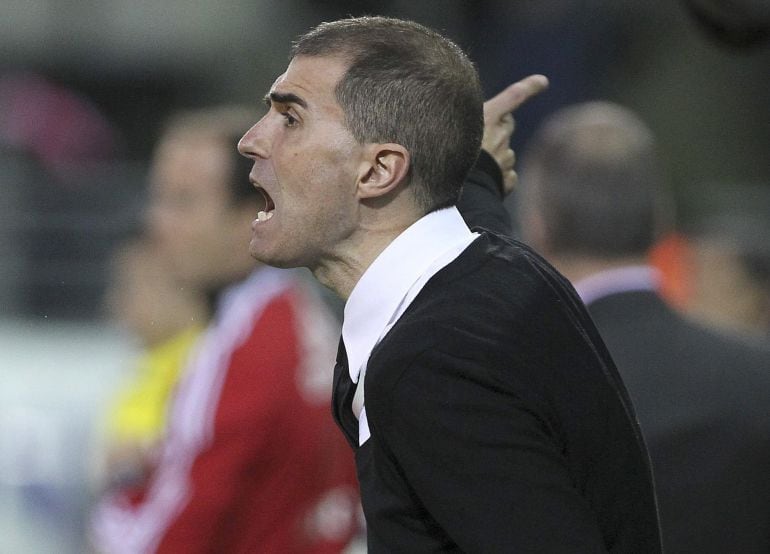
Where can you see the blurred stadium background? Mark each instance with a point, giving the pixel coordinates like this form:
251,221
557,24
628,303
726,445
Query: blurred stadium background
86,85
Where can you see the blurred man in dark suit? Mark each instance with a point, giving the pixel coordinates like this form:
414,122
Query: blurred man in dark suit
592,202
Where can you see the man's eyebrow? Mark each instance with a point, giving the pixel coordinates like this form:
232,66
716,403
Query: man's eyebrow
284,98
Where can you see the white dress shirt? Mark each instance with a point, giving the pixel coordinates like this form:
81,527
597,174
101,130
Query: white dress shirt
391,283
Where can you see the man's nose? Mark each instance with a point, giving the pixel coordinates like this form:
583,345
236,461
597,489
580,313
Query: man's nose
254,144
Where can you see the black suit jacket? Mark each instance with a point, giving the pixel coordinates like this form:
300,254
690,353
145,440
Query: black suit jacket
498,420
703,401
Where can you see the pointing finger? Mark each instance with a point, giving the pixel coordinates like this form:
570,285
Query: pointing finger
513,96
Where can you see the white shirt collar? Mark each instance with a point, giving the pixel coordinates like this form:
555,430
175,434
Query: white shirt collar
613,281
377,300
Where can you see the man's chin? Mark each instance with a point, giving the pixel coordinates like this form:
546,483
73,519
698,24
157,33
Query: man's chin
263,257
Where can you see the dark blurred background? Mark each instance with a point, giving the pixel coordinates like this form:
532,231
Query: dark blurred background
85,87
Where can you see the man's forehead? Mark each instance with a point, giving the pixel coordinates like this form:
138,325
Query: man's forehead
199,154
311,75
277,81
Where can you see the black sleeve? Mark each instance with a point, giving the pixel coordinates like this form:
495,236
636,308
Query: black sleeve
481,201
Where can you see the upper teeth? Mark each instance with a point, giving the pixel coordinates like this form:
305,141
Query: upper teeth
264,216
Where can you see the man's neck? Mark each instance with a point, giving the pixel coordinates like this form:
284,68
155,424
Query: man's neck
341,272
380,222
214,286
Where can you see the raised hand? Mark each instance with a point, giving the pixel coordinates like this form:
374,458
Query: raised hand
499,124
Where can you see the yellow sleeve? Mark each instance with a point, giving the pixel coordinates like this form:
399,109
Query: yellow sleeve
139,413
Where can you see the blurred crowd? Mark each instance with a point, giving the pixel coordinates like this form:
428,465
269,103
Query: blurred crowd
220,406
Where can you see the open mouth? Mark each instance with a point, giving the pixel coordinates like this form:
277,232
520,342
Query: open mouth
268,207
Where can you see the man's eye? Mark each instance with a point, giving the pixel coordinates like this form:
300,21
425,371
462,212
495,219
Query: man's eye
291,121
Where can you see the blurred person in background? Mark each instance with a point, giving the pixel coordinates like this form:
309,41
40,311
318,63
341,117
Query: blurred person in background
144,298
731,274
251,461
593,202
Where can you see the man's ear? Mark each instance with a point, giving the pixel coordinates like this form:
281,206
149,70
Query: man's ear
383,170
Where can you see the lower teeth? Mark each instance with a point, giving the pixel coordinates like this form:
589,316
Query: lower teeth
264,216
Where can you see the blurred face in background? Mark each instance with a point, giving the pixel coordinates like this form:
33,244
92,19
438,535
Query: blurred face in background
192,213
144,297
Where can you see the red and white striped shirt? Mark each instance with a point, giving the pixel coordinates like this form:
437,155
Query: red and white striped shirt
252,461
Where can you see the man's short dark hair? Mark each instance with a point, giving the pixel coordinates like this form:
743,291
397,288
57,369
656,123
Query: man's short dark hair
591,172
409,85
225,125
